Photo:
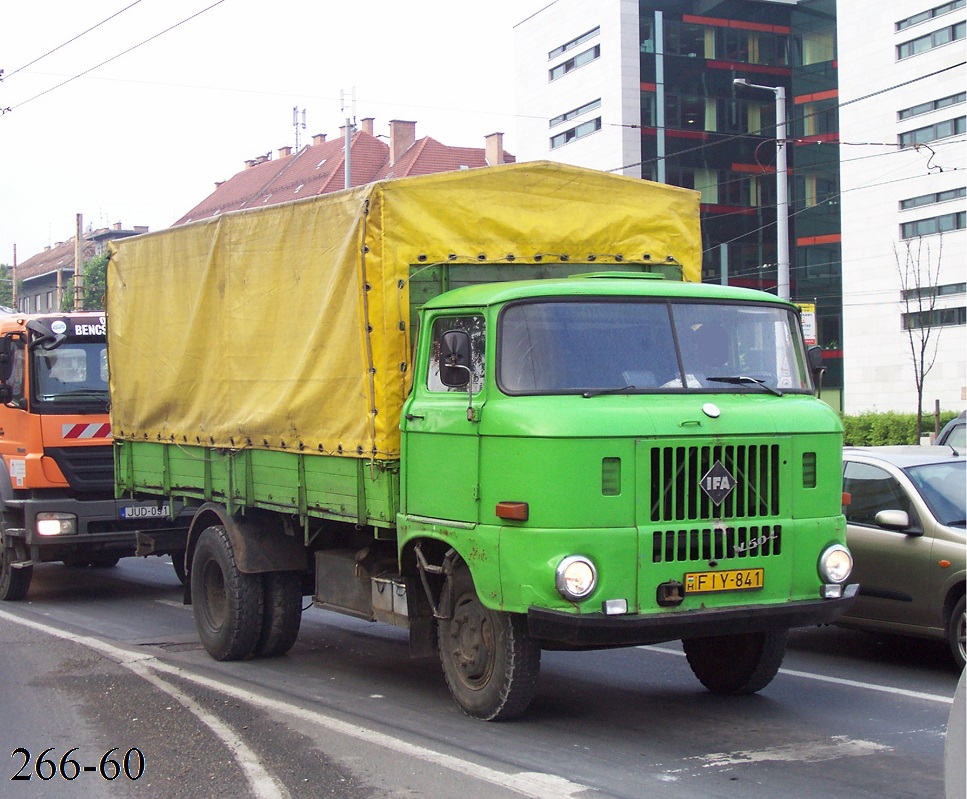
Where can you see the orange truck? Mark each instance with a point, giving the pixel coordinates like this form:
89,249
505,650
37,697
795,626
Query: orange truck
57,500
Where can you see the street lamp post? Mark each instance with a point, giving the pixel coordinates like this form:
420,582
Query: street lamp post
782,186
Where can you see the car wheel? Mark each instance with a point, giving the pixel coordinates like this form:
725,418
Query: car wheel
956,631
736,664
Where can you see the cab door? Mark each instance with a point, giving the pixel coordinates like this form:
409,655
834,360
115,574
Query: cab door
440,434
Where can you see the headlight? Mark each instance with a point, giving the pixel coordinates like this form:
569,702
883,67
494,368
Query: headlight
576,577
56,523
835,564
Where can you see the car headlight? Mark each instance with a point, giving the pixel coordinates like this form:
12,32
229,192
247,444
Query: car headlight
48,523
835,564
576,577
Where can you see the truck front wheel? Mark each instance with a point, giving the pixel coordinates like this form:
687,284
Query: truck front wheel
228,603
736,664
490,662
14,583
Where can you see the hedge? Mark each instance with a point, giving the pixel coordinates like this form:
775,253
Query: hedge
872,429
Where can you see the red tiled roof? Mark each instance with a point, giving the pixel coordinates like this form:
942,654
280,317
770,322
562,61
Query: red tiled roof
319,169
60,256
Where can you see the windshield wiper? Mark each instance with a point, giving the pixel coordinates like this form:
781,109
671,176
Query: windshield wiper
602,391
739,379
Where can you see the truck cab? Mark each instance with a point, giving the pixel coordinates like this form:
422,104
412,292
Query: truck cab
56,451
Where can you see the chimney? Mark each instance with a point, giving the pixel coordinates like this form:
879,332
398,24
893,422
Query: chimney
116,226
285,151
318,138
402,135
140,228
250,163
367,123
494,148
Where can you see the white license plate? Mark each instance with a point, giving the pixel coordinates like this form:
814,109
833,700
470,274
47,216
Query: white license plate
143,512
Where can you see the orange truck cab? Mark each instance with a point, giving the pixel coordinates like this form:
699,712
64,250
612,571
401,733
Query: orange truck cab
57,500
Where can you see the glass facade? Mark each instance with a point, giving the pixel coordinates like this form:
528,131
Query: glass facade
701,131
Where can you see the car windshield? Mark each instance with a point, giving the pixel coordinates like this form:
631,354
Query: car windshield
602,345
73,373
943,487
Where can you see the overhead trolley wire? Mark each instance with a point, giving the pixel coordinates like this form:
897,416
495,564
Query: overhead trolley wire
69,41
117,55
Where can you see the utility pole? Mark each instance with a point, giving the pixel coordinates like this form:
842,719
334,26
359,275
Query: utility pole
79,264
782,184
349,137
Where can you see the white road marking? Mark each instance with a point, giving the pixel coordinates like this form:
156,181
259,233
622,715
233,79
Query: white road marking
806,675
531,784
262,784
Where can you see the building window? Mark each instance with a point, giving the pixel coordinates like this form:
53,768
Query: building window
932,199
934,224
923,16
574,113
936,291
683,38
933,105
573,63
941,130
930,40
584,37
938,317
578,132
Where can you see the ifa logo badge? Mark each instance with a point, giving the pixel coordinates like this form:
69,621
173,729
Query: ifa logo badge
717,483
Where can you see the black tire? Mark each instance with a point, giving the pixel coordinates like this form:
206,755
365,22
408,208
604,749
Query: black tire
227,603
490,662
104,561
282,615
14,583
178,564
956,630
77,561
736,664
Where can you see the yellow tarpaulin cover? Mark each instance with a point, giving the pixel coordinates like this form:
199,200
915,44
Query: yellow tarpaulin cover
287,327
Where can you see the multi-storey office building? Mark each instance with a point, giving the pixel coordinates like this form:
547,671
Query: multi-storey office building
648,89
902,88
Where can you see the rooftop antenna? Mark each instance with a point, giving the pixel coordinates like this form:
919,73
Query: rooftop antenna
350,125
298,125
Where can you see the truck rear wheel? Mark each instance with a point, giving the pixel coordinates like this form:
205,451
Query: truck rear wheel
736,664
282,615
14,583
227,603
490,662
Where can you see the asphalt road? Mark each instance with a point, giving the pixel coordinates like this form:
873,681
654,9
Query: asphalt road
108,661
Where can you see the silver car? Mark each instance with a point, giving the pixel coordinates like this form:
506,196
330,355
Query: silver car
906,529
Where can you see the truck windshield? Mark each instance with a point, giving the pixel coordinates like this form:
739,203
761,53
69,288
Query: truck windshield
72,376
592,346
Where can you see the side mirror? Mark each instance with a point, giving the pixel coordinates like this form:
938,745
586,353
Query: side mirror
814,356
895,520
455,371
6,359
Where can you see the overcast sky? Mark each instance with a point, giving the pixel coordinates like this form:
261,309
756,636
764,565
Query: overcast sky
143,138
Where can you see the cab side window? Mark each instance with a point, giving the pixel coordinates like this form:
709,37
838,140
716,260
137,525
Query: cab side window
871,490
473,325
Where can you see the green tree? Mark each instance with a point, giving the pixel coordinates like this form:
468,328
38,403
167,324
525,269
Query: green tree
6,285
95,286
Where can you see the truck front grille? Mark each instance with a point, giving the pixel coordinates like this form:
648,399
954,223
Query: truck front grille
676,474
87,469
675,546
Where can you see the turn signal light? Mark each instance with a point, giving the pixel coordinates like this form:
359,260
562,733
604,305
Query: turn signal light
516,511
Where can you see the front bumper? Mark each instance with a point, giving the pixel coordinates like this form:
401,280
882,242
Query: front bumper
557,629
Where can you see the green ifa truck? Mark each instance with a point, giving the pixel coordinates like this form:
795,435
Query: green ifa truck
492,407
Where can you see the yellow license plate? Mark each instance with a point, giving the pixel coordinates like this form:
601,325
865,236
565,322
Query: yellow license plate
730,580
